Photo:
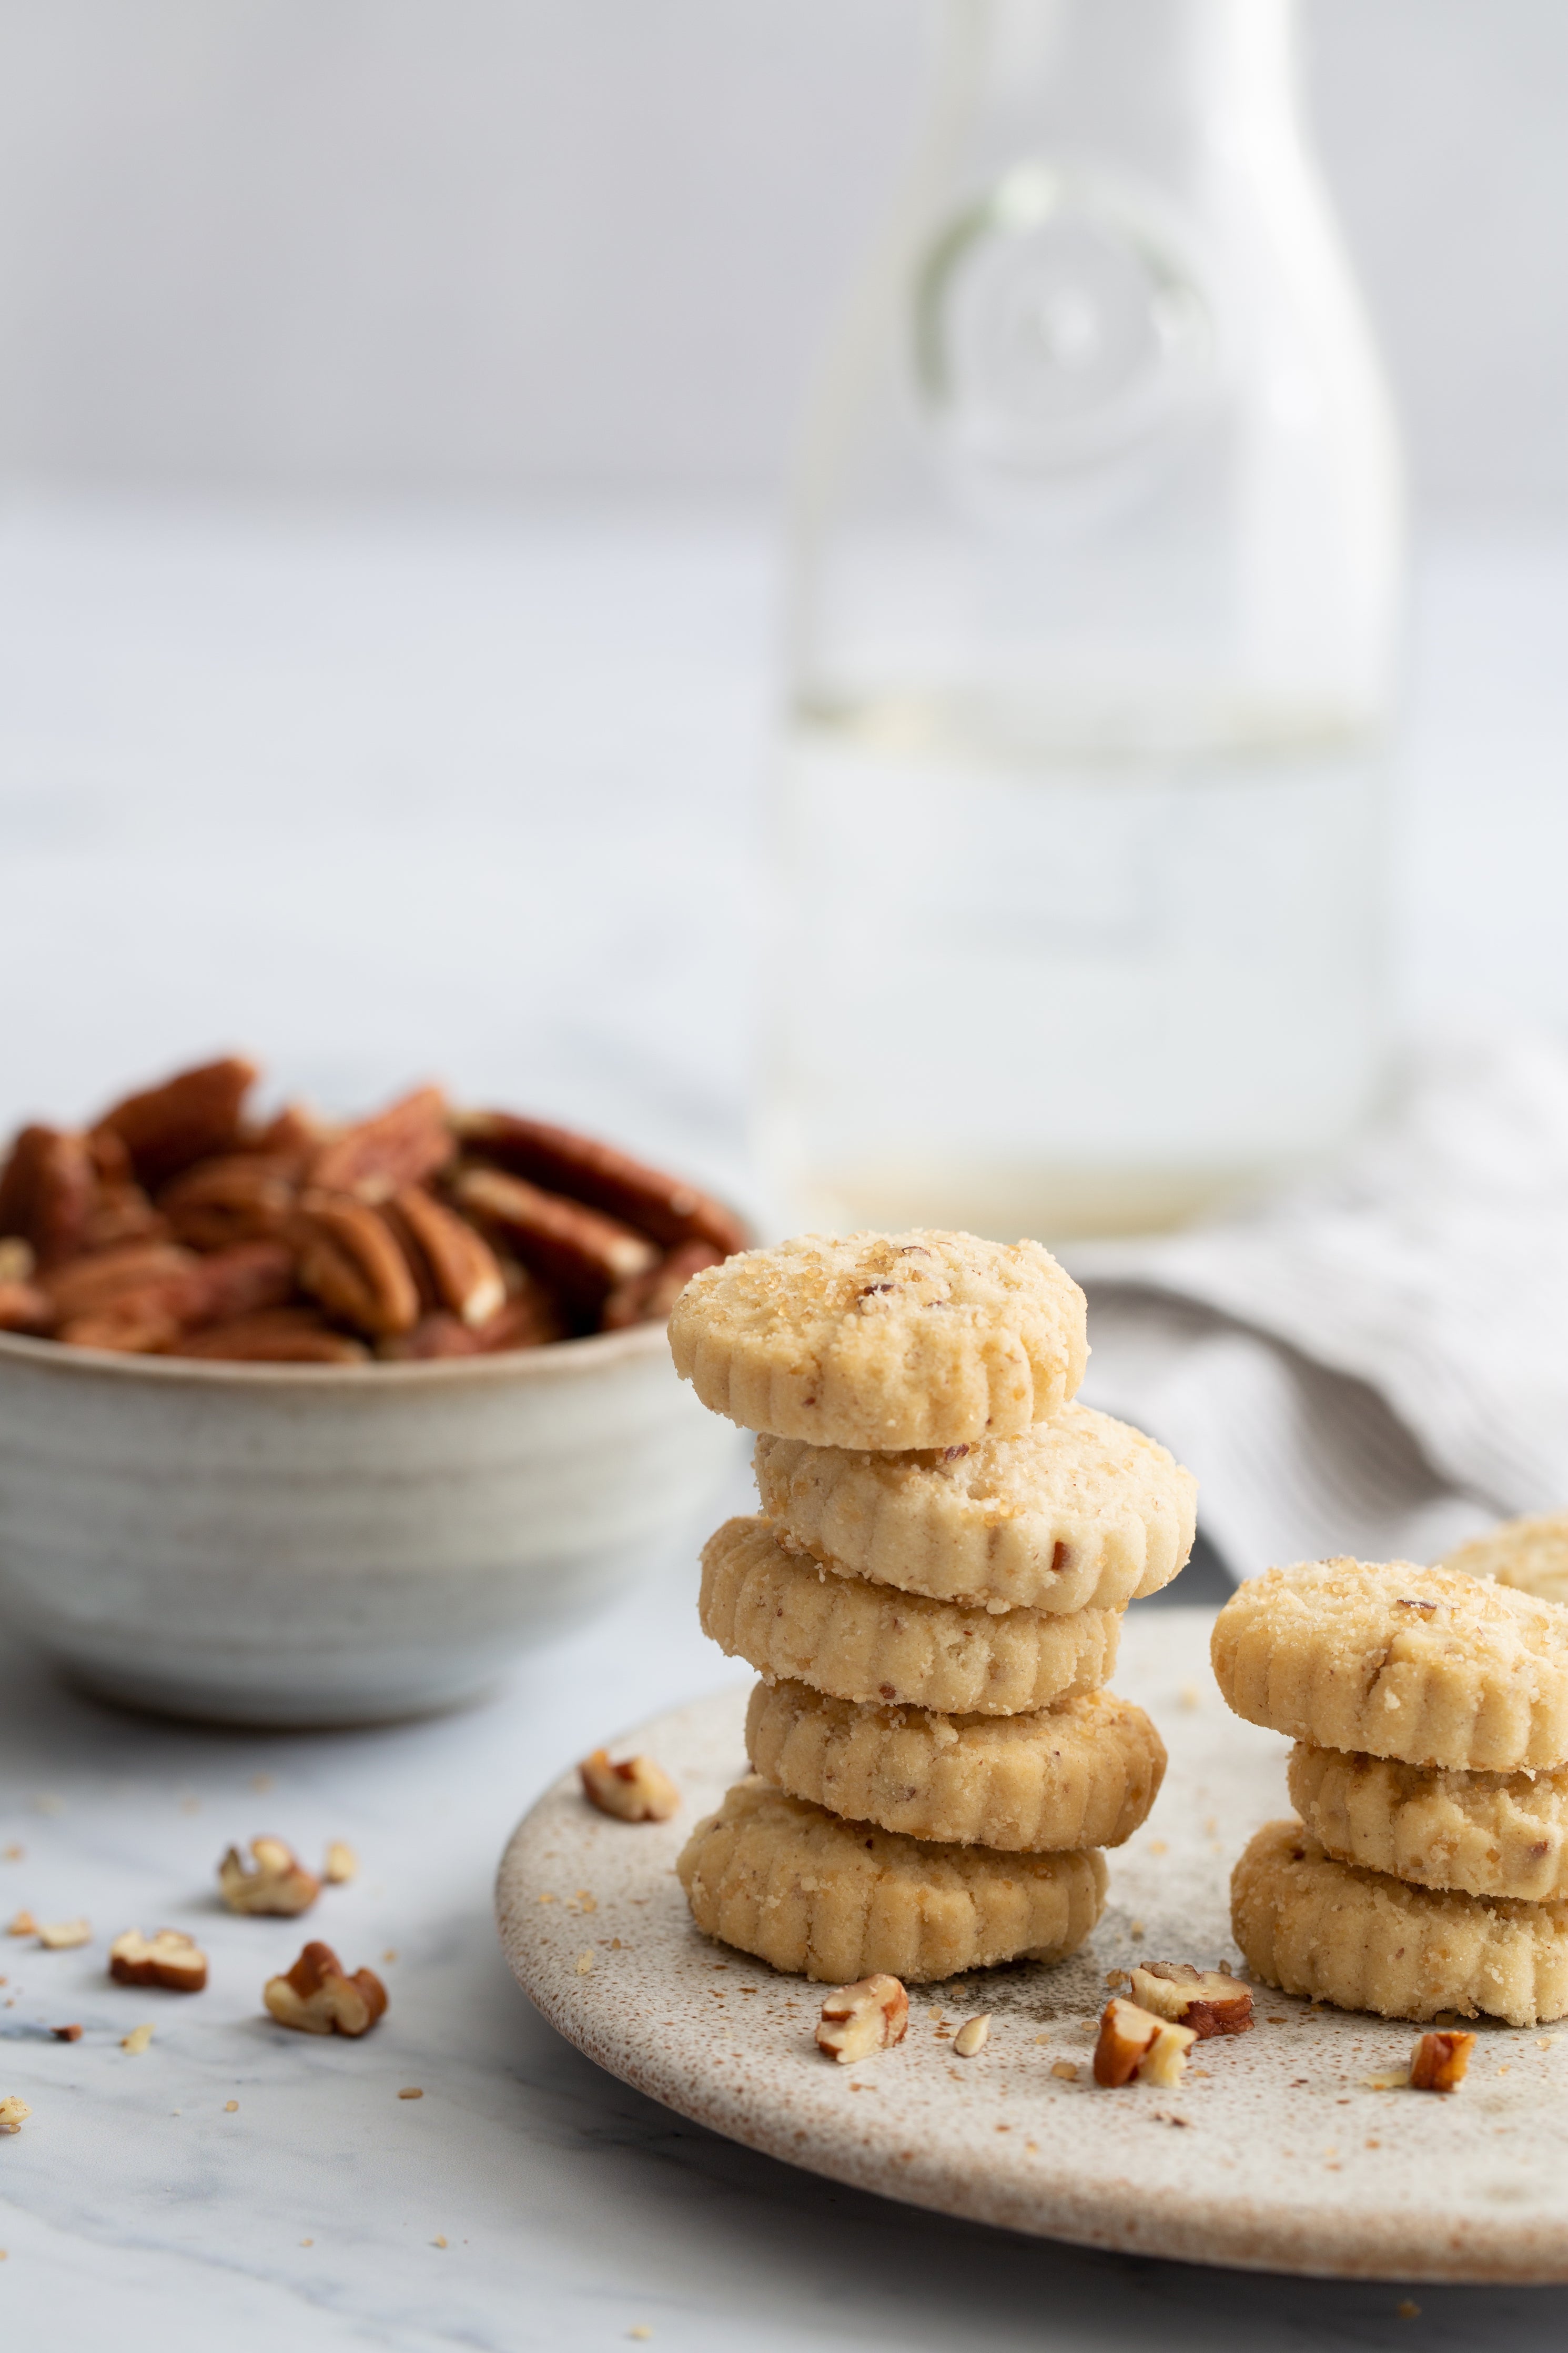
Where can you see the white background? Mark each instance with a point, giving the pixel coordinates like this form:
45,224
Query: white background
516,244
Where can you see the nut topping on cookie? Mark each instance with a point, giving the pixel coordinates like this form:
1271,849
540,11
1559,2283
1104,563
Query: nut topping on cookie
1203,1999
859,2019
1438,2062
635,1792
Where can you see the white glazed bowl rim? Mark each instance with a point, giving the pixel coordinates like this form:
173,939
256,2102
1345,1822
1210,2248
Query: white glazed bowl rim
562,1359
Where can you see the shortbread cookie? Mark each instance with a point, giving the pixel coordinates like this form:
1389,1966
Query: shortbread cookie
1423,1663
1325,1929
1486,1833
1529,1554
1083,1773
1080,1512
883,1340
840,1900
788,1615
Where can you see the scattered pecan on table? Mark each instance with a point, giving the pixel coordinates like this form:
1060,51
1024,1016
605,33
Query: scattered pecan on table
179,1224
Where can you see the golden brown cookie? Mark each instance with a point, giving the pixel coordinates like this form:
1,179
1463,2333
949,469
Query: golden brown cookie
1529,1554
1081,1774
1333,1933
788,1615
1423,1663
883,1340
1079,1513
1486,1833
838,1900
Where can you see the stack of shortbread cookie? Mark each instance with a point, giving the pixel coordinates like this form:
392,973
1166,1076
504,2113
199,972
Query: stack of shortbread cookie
934,1595
1429,1869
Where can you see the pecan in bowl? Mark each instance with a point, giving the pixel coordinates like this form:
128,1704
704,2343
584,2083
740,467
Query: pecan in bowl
313,1422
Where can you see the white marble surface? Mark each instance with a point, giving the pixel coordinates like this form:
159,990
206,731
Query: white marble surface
408,795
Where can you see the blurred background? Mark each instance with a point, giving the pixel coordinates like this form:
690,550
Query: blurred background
395,402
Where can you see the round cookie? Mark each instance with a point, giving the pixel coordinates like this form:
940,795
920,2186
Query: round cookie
1485,1834
1529,1554
839,1901
1425,1665
1333,1933
1079,1513
1083,1773
789,1615
883,1340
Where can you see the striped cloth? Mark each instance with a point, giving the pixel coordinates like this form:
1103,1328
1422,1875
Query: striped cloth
1375,1361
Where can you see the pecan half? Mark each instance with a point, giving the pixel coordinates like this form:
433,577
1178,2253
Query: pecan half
137,1324
25,1308
45,1192
242,1198
317,1996
170,1958
350,1261
532,1317
242,1281
279,1335
402,1146
578,1250
145,1270
606,1179
455,1267
121,1212
433,1337
189,1117
648,1298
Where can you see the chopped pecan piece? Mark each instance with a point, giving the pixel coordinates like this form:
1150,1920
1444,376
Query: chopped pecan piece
280,1335
1134,2042
648,1298
636,1791
455,1266
1204,1999
857,2020
65,2034
246,1197
64,1936
169,1958
189,1117
402,1146
317,1996
349,1258
278,1884
606,1179
1438,2062
46,1191
14,2115
582,1253
341,1863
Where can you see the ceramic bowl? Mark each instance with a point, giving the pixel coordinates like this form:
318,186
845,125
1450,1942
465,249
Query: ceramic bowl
322,1543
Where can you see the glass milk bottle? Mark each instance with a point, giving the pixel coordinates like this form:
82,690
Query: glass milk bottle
1094,601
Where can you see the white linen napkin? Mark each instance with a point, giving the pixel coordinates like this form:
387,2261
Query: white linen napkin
1375,1360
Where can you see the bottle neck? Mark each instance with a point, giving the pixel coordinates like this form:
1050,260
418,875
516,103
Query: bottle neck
1105,71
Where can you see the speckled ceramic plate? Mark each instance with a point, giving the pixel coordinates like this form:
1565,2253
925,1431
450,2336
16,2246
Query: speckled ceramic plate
1276,2154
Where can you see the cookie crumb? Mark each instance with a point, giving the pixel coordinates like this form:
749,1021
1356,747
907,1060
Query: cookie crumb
1066,2069
341,1863
411,2092
1405,2310
136,2041
439,2240
1158,1846
585,1961
971,2037
229,2107
642,2332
